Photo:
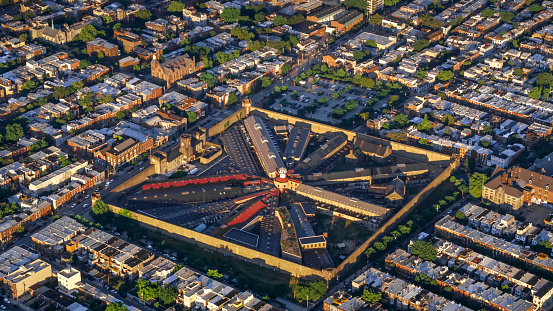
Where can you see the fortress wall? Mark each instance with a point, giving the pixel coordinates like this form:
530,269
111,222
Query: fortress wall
392,223
228,121
137,179
226,247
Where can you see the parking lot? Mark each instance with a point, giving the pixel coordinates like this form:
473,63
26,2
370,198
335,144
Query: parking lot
298,97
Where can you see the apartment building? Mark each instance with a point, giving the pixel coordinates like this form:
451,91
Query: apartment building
100,45
123,152
20,280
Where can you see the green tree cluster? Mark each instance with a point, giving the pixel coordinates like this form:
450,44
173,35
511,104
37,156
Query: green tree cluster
476,182
425,250
311,292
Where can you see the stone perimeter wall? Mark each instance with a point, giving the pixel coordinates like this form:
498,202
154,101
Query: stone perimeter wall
225,247
266,260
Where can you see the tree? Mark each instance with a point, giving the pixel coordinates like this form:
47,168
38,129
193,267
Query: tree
535,8
476,181
404,229
420,44
241,33
175,6
311,292
117,306
265,82
146,290
14,132
208,78
192,116
168,294
232,98
100,55
425,250
425,125
487,13
488,129
23,37
117,26
371,43
259,17
448,119
421,74
376,19
107,19
470,164
285,69
544,79
371,296
100,208
519,72
350,105
370,252
359,4
230,14
88,33
460,215
84,64
120,115
214,274
401,120
535,93
506,16
144,15
280,20
445,75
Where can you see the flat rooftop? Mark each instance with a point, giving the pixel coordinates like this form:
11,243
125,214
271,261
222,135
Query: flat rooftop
244,237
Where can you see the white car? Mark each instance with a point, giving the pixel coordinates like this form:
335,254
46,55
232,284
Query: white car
141,169
117,233
73,205
85,205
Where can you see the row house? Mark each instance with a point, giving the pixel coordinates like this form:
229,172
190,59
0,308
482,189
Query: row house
402,294
450,229
78,185
31,210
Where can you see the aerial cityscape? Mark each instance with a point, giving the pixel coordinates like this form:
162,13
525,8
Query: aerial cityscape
243,155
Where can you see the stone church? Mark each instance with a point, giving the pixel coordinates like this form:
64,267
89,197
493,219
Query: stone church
173,70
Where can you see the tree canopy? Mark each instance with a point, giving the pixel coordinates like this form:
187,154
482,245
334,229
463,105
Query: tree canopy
100,208
88,33
230,14
420,44
144,15
371,296
214,274
376,19
506,16
175,6
117,306
445,75
425,250
476,181
487,13
359,4
14,132
312,292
